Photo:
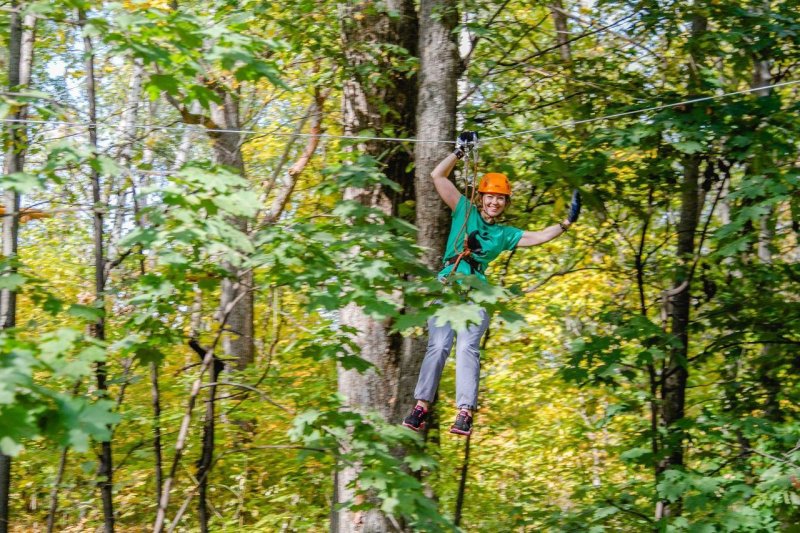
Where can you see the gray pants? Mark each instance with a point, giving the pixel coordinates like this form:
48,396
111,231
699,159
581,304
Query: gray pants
468,365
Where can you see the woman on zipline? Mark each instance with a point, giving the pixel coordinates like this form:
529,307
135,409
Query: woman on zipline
475,240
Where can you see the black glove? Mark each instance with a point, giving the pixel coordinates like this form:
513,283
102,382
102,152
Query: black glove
574,207
467,140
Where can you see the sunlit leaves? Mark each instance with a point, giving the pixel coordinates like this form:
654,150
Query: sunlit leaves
33,407
368,441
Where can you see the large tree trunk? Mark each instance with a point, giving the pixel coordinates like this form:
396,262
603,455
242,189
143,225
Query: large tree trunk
436,119
676,372
366,29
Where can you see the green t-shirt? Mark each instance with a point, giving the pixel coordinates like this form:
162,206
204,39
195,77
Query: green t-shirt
487,240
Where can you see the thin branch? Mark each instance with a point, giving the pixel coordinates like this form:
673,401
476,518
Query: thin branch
531,57
630,511
558,274
768,456
249,388
187,417
594,24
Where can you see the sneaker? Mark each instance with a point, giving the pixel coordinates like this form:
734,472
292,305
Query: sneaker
463,423
416,420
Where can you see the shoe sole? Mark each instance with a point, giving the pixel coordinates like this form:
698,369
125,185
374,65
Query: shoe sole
420,428
457,431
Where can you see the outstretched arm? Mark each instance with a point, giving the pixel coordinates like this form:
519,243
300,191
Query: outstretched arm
444,186
532,238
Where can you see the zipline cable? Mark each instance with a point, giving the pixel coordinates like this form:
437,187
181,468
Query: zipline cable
564,124
569,123
263,133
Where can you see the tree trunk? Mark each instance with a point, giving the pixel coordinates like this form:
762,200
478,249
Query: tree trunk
673,391
436,119
366,28
768,371
20,62
105,468
53,509
676,372
8,298
562,31
228,151
207,452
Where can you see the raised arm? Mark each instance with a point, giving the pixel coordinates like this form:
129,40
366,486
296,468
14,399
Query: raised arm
444,186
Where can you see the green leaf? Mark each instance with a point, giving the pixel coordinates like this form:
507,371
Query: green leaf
58,343
673,485
84,421
635,453
164,82
21,182
85,312
419,461
460,316
10,447
12,281
149,354
605,512
689,147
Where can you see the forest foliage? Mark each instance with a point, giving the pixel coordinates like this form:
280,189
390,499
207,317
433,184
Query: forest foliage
601,409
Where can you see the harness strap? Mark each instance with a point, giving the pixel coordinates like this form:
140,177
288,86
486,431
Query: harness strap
466,256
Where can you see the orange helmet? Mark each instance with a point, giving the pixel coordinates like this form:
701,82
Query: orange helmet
495,183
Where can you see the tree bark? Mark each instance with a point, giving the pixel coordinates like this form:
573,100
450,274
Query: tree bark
673,391
366,29
228,151
207,452
20,62
53,509
436,119
562,31
768,371
676,372
105,468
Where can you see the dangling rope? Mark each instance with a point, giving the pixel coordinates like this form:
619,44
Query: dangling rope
473,151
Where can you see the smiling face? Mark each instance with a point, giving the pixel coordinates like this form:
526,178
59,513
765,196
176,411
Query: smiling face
493,205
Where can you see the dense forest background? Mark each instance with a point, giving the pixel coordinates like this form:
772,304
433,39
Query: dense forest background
219,240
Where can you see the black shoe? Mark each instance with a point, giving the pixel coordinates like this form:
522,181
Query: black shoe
463,423
416,420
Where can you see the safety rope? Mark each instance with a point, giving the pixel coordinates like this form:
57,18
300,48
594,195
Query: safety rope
465,252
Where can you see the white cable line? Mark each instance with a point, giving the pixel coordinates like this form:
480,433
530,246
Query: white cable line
564,124
264,133
568,123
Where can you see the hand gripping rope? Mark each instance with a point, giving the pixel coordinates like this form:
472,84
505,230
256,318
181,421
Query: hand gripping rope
471,150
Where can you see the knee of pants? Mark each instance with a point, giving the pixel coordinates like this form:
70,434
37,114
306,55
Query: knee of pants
439,347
